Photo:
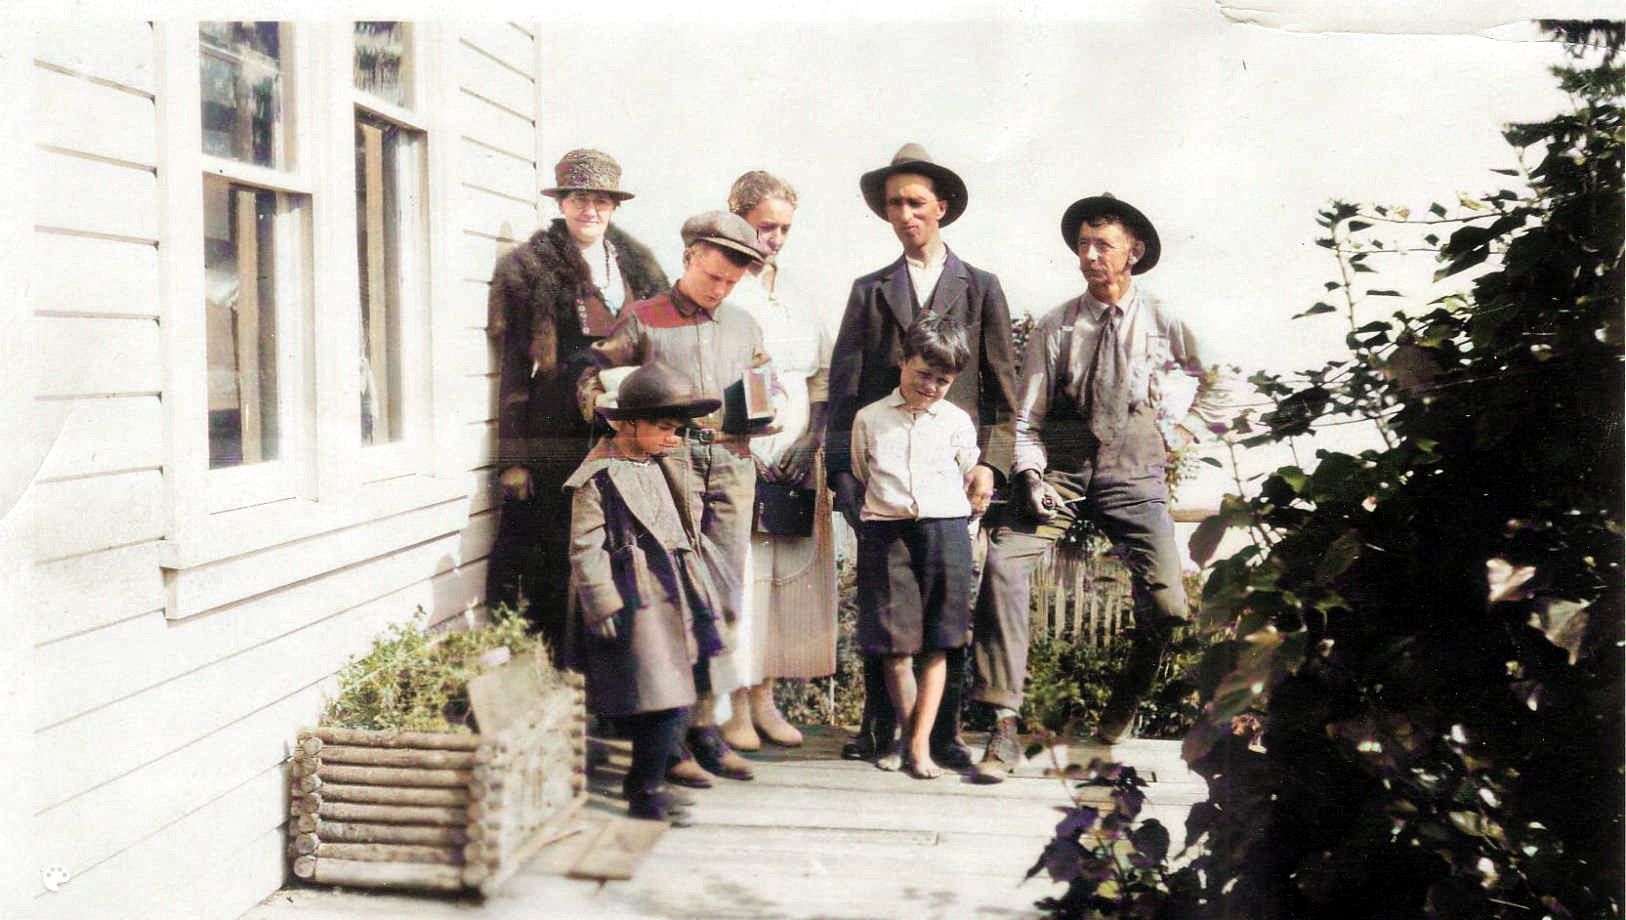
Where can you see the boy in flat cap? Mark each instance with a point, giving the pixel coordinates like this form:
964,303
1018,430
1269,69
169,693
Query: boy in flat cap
711,345
647,608
918,197
1096,419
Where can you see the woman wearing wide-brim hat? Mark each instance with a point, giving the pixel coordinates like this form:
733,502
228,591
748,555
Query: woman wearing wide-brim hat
551,297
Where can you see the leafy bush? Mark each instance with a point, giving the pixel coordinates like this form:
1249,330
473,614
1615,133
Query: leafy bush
415,680
1415,704
1110,863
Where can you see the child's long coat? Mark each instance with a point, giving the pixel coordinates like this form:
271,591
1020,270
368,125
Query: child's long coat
648,666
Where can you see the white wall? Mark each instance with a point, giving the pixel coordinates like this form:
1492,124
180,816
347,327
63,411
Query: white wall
156,743
1229,134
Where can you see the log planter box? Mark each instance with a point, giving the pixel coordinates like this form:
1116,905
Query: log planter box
437,811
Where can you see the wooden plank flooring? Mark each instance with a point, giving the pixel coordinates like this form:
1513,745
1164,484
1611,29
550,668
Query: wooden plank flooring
812,836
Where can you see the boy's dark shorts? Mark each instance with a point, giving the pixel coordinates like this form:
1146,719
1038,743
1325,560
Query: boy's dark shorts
914,585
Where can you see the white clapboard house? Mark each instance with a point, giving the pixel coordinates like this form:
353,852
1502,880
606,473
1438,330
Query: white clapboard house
251,285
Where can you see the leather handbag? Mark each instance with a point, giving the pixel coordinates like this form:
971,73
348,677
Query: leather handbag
784,510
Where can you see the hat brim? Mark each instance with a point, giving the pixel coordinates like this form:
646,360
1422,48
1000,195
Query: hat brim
693,408
564,190
723,242
1086,209
950,187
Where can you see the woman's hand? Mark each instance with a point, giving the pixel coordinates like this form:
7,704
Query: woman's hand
603,629
797,463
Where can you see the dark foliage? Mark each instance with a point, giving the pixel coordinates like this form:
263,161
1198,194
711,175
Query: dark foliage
1416,706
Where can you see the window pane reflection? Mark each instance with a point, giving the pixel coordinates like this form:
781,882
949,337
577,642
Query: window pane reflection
241,81
383,167
239,257
381,60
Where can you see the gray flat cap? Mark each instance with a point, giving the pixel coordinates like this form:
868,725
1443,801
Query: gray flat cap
720,228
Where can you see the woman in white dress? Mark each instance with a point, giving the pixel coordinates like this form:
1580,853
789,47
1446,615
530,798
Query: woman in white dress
790,631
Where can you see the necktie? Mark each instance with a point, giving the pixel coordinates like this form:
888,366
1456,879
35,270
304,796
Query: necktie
1109,387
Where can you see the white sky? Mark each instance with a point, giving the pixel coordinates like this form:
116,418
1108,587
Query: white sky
1228,135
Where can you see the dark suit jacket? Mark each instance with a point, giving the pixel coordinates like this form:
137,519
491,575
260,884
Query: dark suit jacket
868,351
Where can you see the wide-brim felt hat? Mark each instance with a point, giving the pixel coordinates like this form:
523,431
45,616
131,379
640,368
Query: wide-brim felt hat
658,391
913,158
1087,209
587,170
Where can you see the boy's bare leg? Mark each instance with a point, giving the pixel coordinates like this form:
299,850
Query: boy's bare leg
899,672
924,714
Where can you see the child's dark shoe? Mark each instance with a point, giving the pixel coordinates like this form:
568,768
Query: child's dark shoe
714,754
683,770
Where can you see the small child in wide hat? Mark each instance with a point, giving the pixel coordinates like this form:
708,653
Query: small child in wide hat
647,604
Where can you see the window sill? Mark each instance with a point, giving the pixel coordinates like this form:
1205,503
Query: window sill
239,554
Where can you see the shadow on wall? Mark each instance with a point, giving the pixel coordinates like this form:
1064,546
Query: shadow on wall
454,593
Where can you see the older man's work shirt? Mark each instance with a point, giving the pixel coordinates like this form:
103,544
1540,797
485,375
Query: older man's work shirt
1166,371
913,462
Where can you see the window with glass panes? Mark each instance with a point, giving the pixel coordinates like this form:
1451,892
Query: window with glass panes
391,235
253,241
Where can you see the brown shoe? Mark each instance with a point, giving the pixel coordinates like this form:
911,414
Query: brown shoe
1002,755
685,771
715,755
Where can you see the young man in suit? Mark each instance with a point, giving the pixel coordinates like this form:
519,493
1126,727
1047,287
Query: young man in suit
919,197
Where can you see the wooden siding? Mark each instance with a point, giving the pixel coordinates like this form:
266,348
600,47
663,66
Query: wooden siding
160,741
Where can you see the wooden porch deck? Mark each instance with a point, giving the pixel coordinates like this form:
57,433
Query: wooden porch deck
812,836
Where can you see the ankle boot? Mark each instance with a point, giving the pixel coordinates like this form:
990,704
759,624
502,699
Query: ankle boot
769,721
738,731
1003,754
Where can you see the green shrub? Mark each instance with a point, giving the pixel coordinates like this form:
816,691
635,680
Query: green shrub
415,680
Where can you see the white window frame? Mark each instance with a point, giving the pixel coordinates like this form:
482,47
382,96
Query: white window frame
410,453
248,484
324,480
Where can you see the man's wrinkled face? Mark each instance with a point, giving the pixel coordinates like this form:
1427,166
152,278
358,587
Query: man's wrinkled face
913,209
1107,253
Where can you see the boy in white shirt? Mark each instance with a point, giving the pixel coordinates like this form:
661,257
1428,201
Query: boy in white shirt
914,453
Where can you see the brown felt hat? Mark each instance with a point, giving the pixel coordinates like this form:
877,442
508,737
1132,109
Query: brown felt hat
721,228
1087,209
585,170
913,158
657,391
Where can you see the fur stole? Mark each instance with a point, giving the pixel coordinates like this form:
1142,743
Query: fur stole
534,289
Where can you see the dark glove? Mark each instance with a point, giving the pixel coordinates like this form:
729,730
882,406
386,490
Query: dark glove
849,496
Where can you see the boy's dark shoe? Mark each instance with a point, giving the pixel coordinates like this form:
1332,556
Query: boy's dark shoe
714,754
874,738
683,770
1003,754
631,790
952,754
658,805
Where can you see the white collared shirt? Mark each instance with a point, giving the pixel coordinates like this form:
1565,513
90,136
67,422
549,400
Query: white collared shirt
913,462
923,274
